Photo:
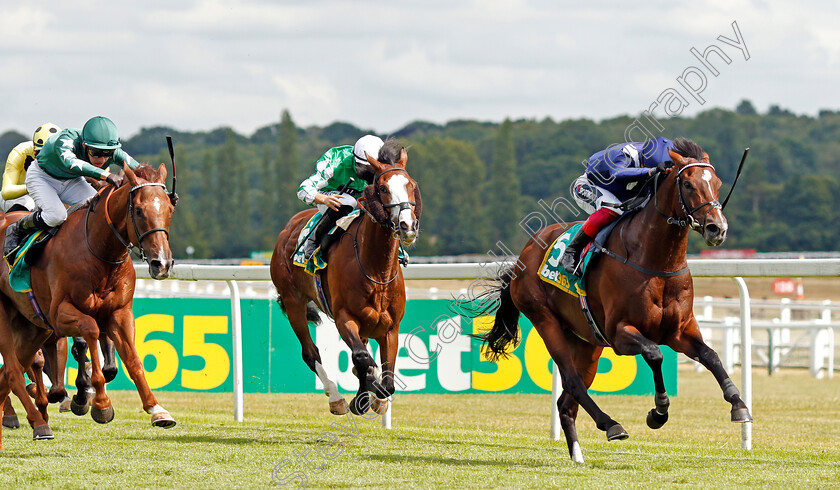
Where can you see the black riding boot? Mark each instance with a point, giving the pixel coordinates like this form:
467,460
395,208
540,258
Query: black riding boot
17,231
319,236
572,254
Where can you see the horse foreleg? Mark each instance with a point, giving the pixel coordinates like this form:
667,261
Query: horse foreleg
690,342
629,341
384,386
55,355
68,316
80,404
109,366
121,330
364,364
586,362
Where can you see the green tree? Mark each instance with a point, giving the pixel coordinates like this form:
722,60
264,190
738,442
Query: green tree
502,197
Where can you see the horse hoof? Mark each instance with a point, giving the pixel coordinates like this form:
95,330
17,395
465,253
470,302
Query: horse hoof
655,420
163,419
741,415
617,433
64,406
380,406
42,433
338,407
11,422
79,409
360,404
102,416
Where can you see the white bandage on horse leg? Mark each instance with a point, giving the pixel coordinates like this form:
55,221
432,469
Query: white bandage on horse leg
156,409
330,388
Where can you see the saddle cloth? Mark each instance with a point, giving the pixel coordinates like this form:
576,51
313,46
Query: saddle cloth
19,268
553,273
318,260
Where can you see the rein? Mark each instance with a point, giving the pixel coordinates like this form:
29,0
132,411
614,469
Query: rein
130,212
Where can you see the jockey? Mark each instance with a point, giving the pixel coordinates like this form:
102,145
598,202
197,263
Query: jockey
14,193
613,176
57,177
340,167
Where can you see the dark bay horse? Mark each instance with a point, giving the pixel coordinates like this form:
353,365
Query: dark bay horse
638,306
363,282
83,282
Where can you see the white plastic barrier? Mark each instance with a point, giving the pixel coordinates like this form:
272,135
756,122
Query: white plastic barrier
734,268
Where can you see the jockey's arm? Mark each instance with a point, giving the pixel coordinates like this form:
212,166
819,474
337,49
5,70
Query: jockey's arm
12,189
308,191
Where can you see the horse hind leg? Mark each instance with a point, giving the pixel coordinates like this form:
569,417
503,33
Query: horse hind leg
109,367
10,418
36,388
299,317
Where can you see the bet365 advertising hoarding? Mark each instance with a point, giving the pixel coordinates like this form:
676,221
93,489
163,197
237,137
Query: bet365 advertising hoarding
185,345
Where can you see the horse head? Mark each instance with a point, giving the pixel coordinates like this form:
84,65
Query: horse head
150,212
697,188
394,197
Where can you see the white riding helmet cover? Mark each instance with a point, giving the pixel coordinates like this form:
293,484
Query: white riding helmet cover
369,144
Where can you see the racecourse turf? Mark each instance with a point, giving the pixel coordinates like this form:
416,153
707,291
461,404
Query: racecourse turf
442,441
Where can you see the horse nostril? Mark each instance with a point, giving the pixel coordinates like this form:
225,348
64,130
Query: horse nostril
403,226
712,229
156,264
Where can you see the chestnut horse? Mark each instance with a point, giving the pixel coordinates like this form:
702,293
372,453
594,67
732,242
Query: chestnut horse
640,301
363,282
83,282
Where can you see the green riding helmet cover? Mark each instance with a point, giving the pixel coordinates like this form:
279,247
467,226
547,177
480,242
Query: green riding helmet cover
100,132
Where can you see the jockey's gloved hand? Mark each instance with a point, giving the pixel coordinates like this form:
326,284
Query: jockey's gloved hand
173,198
114,179
663,167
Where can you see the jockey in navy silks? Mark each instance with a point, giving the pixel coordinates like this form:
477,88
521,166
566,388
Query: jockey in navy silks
613,176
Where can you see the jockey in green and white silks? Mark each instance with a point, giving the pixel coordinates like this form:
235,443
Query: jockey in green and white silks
57,176
338,167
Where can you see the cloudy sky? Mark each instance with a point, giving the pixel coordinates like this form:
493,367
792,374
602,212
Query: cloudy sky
380,65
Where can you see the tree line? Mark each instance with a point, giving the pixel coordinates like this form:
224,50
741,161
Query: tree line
479,180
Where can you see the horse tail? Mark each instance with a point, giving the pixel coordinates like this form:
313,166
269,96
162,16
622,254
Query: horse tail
312,314
311,311
505,330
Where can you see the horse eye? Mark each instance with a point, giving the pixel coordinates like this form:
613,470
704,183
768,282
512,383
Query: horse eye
138,212
383,188
687,185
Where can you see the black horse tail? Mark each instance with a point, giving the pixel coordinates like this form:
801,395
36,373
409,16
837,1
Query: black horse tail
505,331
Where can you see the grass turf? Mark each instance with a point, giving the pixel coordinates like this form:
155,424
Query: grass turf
442,441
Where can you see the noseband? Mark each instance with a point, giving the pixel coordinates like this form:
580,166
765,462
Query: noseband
689,214
130,210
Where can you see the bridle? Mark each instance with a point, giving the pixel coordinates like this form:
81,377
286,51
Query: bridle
404,205
130,210
689,219
391,225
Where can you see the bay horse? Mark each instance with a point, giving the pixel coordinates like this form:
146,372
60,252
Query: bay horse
640,301
83,282
363,283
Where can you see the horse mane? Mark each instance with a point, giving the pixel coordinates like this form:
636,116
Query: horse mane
145,172
389,154
688,149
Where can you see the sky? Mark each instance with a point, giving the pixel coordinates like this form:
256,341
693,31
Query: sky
197,66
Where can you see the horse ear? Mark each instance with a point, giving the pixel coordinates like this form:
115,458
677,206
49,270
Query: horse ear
403,158
418,207
162,171
705,158
374,205
378,167
129,174
677,158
